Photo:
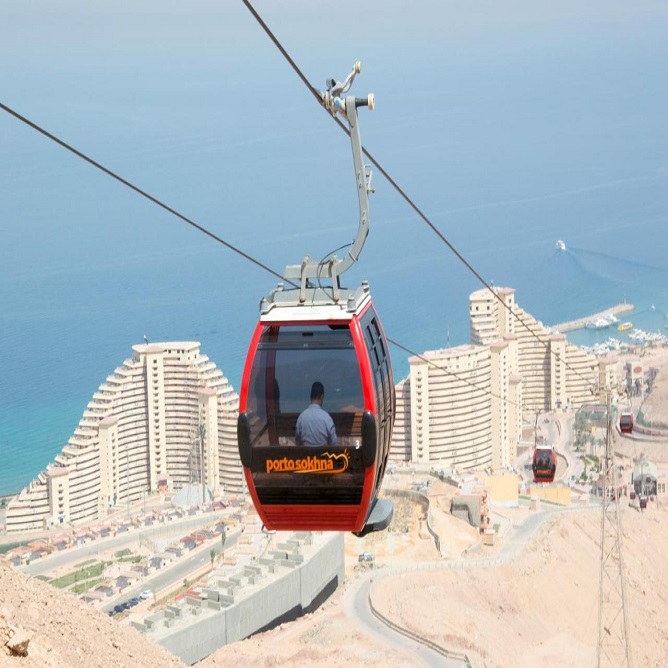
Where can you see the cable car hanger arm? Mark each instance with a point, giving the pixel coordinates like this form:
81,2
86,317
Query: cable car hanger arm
332,99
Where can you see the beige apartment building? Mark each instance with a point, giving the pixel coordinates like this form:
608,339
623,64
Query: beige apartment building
450,407
556,375
166,416
463,406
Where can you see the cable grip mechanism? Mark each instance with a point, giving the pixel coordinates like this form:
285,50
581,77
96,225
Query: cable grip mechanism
332,98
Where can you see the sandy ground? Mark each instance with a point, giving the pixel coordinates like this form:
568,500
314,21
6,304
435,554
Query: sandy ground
61,631
538,610
541,609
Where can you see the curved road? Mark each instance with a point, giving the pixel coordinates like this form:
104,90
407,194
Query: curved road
356,599
356,605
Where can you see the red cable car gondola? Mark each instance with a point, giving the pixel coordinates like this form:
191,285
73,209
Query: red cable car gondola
331,336
544,464
626,423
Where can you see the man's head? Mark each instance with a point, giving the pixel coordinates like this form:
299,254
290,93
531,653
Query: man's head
317,391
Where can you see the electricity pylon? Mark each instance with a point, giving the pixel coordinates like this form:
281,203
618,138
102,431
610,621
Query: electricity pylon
613,637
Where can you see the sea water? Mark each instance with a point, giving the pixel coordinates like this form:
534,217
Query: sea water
507,137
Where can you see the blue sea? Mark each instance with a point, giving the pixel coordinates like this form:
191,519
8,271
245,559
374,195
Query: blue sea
510,125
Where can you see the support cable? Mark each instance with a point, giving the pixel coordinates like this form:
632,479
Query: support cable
138,190
248,257
405,196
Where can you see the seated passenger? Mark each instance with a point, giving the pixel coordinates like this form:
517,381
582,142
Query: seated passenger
315,426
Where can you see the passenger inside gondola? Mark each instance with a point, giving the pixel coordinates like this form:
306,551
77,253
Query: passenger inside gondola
315,426
291,357
544,461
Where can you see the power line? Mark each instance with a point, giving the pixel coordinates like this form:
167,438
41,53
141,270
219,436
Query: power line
138,190
405,196
452,373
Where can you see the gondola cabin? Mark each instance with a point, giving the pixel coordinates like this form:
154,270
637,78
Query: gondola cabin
319,349
328,487
544,463
626,423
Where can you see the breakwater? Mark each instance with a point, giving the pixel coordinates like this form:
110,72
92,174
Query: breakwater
580,322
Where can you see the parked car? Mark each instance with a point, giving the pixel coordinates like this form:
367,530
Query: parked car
366,556
118,609
146,594
133,601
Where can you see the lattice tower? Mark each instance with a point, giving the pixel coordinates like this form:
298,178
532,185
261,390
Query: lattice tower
613,638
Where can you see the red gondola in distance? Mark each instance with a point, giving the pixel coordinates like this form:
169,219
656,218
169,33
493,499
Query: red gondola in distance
544,463
318,334
626,423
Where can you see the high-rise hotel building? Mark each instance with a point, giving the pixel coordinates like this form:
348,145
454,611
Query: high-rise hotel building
167,416
555,374
450,407
463,406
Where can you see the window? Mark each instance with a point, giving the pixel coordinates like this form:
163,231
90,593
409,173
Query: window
293,357
289,359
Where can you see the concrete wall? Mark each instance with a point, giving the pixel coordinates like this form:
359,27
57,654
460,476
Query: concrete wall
467,507
285,582
555,493
503,488
193,640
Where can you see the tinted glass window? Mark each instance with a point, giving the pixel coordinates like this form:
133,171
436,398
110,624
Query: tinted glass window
383,386
287,363
543,459
290,360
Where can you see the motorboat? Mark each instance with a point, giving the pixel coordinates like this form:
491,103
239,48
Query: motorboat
624,326
561,245
601,322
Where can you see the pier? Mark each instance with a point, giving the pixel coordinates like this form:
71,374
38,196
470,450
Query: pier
580,322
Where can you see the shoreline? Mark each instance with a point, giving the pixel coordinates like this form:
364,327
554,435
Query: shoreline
579,323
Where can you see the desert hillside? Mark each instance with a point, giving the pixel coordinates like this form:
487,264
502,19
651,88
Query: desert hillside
540,609
57,630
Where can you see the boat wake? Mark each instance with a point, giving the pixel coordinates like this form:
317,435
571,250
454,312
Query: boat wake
622,260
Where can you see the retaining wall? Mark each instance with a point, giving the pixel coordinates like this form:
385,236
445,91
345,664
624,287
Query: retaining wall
282,584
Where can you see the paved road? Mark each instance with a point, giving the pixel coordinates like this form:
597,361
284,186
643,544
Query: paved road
171,530
69,558
356,605
181,569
